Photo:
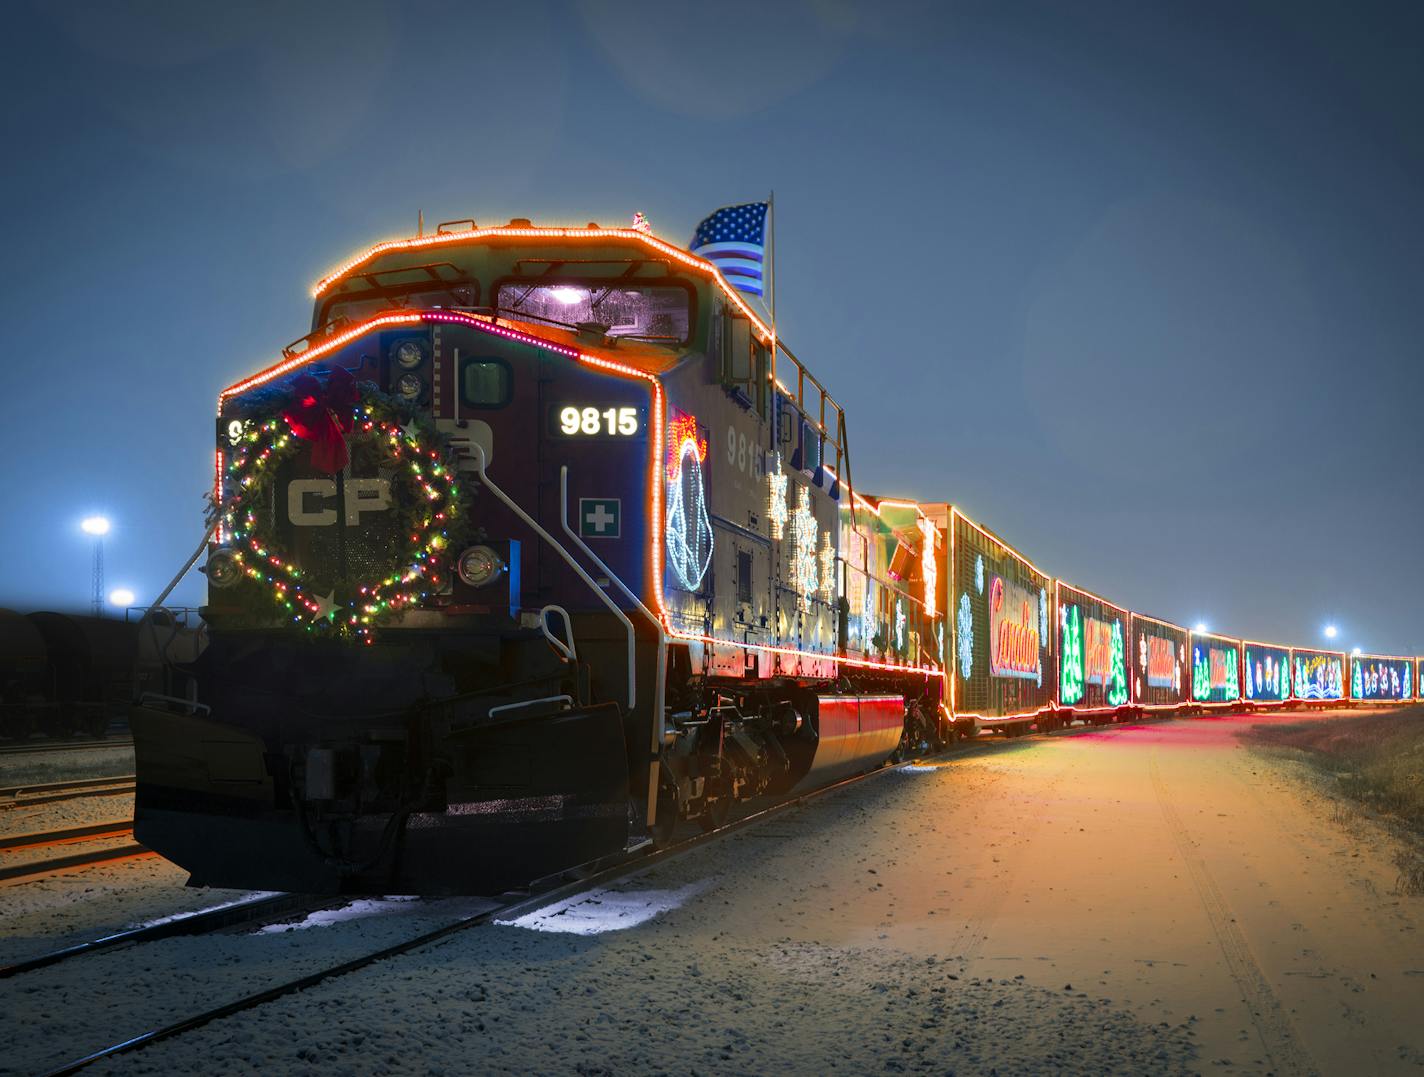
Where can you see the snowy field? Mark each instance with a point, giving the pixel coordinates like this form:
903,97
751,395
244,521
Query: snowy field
1153,899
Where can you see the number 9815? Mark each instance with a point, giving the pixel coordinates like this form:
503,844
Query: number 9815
620,422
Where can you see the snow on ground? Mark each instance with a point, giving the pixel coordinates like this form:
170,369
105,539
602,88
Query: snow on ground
64,1012
1130,900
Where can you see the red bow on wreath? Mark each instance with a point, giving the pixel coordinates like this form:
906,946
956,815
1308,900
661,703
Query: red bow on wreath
322,414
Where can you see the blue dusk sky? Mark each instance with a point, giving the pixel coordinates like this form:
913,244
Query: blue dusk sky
1137,285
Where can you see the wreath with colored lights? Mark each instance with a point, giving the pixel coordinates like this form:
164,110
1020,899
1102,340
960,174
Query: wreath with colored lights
339,422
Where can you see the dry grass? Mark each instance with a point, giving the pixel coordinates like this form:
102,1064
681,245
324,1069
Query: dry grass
1378,762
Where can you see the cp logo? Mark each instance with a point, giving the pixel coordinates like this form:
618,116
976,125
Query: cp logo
362,495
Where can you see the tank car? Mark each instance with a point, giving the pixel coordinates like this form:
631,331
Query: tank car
537,544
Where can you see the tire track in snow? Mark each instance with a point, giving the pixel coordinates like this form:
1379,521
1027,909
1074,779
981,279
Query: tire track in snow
1278,1039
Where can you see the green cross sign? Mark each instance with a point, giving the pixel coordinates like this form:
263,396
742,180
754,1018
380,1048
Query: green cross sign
600,517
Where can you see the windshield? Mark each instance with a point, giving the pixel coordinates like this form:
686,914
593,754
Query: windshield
641,311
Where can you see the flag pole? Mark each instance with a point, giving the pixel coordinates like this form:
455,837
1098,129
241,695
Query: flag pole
771,278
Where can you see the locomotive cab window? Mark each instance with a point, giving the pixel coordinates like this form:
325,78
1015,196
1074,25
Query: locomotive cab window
630,309
744,360
485,383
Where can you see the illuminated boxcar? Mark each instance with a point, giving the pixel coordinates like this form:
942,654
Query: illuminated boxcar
1160,677
1317,676
1092,653
1381,678
1266,672
1216,668
1000,616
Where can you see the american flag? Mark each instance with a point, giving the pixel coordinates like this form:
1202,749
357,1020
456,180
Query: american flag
734,240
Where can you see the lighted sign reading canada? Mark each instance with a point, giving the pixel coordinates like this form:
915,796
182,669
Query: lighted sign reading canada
1013,631
1097,650
1373,677
1267,673
1318,674
1163,670
1215,672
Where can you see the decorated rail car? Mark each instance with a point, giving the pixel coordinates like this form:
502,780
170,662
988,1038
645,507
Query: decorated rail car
1381,678
1216,669
1318,677
1265,673
1161,678
1000,660
540,543
1093,640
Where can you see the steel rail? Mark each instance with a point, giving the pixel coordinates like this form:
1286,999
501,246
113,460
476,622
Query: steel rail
19,796
584,878
63,746
128,851
116,828
194,923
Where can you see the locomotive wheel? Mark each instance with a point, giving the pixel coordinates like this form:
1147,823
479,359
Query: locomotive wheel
717,810
665,825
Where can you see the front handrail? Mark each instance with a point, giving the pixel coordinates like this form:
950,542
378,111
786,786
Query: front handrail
534,526
660,683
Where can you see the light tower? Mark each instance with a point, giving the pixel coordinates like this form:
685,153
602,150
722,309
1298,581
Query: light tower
98,526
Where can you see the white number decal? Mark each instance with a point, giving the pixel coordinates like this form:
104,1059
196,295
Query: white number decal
742,453
590,420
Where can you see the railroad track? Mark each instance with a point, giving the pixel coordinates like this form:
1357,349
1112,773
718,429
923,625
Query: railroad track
71,836
545,892
63,746
48,792
217,918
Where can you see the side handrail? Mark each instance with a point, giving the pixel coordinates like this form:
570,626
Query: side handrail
534,526
660,684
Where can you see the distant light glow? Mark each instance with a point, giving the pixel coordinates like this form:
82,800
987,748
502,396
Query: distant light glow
121,596
1331,631
1201,626
1356,651
568,296
95,525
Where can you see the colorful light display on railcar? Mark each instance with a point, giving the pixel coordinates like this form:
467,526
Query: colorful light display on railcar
1381,677
1001,613
1159,661
1318,675
1216,669
1266,672
1092,656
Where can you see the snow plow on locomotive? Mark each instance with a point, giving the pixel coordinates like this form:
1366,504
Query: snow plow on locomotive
537,544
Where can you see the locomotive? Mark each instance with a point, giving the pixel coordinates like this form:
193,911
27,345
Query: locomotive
541,542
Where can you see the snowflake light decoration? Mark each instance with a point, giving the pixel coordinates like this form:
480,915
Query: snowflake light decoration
776,511
979,573
803,549
964,638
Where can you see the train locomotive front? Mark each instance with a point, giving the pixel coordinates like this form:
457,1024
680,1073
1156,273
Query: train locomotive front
482,604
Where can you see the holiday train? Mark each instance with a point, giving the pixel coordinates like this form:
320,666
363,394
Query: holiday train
539,543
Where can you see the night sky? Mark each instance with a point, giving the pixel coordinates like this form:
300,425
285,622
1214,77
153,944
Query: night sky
1138,286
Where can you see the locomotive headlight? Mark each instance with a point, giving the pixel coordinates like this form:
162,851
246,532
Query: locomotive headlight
479,565
408,354
224,568
409,388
